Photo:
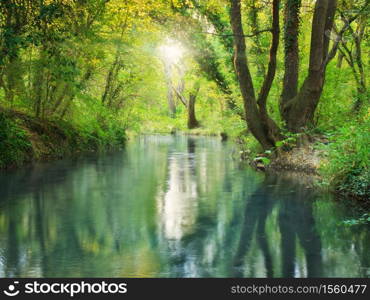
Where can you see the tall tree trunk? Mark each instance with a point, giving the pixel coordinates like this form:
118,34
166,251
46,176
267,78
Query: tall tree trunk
188,103
70,95
291,52
299,111
111,78
192,120
60,98
260,124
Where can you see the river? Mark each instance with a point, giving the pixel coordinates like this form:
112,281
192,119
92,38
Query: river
170,206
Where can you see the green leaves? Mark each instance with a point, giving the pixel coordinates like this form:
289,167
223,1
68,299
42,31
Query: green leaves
348,160
14,143
266,161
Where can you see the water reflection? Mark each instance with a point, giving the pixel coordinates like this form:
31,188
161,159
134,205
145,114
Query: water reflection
258,208
177,206
172,207
296,225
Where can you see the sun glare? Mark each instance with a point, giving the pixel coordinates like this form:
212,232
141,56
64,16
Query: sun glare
172,51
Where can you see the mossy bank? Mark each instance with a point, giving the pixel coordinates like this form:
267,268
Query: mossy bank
24,138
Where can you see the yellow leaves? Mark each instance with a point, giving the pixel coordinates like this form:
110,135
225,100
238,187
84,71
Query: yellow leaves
189,3
215,5
95,61
367,115
123,16
177,3
65,2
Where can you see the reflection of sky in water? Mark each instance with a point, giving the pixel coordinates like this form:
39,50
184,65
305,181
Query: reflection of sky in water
171,207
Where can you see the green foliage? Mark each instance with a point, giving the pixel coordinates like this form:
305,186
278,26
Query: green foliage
55,138
289,142
14,143
250,148
346,167
266,161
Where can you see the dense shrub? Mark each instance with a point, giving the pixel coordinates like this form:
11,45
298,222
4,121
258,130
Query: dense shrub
346,167
14,143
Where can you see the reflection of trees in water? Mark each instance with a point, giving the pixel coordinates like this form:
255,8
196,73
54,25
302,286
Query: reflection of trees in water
296,221
362,247
12,264
71,219
34,198
258,208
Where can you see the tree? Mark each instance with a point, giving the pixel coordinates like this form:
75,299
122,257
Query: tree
260,124
350,49
298,107
297,104
189,102
170,89
207,56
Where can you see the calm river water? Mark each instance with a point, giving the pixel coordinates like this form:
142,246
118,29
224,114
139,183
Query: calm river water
172,207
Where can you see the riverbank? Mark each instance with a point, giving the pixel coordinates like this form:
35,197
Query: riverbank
339,164
306,159
25,138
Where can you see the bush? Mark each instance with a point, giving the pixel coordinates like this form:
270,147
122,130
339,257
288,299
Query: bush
346,168
14,143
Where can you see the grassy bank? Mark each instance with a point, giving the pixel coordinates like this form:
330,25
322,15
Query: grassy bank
24,138
346,164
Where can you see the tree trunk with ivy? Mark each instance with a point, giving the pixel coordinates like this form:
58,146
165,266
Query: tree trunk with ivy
263,128
298,108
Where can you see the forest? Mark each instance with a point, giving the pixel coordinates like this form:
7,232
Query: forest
184,138
277,77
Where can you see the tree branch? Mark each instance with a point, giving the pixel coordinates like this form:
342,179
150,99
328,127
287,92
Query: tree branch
180,96
347,24
269,78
